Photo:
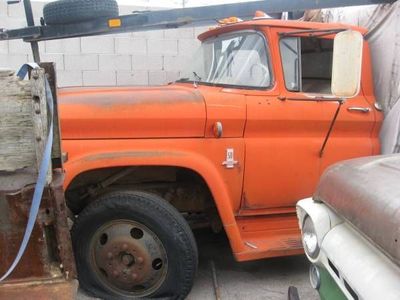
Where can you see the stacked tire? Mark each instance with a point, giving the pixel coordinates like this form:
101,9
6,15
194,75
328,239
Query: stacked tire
73,11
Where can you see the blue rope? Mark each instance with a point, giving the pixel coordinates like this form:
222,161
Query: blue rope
41,181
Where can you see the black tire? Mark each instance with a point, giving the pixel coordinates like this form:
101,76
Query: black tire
71,11
158,216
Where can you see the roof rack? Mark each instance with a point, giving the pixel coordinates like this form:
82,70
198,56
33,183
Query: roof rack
162,19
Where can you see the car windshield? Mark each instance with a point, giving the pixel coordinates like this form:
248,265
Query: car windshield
239,59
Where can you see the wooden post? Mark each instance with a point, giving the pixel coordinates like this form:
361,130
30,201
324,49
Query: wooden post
24,121
40,115
17,147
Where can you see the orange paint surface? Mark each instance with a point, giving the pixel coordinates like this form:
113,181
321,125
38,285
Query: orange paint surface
276,143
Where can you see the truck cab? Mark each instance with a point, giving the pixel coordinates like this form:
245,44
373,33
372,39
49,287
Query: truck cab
233,144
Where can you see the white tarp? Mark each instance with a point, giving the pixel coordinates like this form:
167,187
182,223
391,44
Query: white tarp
383,23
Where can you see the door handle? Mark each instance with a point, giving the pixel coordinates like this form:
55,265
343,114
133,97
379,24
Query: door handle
359,109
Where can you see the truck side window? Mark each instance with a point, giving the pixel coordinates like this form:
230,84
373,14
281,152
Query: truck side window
307,64
290,52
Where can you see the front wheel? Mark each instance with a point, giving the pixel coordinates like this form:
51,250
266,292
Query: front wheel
132,245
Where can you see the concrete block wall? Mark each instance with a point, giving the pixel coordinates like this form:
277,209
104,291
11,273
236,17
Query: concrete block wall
138,58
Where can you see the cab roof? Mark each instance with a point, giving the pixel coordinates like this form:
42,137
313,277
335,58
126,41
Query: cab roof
294,24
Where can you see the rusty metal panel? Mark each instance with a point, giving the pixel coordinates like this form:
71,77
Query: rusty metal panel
49,253
49,257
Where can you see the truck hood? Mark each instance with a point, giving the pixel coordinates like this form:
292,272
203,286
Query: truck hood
131,112
366,193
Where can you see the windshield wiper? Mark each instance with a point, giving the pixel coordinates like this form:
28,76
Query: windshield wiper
198,78
184,79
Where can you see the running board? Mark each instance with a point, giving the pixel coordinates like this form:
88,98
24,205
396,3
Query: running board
269,236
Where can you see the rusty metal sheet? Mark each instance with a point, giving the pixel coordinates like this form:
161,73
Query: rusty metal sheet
47,268
366,193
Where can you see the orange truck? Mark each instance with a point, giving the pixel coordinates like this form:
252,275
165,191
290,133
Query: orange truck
234,144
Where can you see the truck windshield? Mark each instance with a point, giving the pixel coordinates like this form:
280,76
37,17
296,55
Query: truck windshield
239,59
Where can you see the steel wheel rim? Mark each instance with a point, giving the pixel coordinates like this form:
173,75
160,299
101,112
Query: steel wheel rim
128,258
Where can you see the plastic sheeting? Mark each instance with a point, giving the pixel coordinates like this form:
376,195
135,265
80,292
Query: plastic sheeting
383,23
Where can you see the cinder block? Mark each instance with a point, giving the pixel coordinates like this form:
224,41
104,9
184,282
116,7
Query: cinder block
125,9
132,78
3,47
3,9
187,47
68,46
13,61
58,59
173,76
18,11
84,62
125,45
144,62
157,77
114,62
159,46
176,63
37,9
150,34
201,29
96,44
99,78
12,23
69,78
179,33
21,47
125,34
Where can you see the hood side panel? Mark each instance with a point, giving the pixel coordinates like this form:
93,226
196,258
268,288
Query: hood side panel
123,113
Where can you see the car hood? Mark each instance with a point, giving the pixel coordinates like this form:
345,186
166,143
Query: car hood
366,193
131,112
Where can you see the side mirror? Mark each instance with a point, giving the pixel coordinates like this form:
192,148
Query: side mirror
347,64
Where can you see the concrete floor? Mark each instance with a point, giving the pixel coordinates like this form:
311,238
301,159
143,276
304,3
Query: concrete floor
262,279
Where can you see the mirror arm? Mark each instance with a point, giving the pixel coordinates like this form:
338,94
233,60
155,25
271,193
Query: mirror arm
340,102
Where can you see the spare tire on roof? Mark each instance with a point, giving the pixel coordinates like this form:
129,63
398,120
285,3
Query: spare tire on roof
71,11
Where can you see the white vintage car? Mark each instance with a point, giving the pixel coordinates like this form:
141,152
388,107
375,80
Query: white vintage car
351,230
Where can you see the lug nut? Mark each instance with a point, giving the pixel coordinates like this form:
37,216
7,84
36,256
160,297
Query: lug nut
134,276
124,247
115,273
140,260
109,255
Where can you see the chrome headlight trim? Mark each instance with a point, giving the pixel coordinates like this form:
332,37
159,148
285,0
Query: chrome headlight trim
310,237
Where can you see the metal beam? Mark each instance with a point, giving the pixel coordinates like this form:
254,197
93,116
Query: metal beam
31,23
173,18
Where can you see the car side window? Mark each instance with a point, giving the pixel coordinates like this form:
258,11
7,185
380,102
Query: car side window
307,64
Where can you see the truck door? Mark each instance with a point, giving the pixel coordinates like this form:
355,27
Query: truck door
285,131
282,139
